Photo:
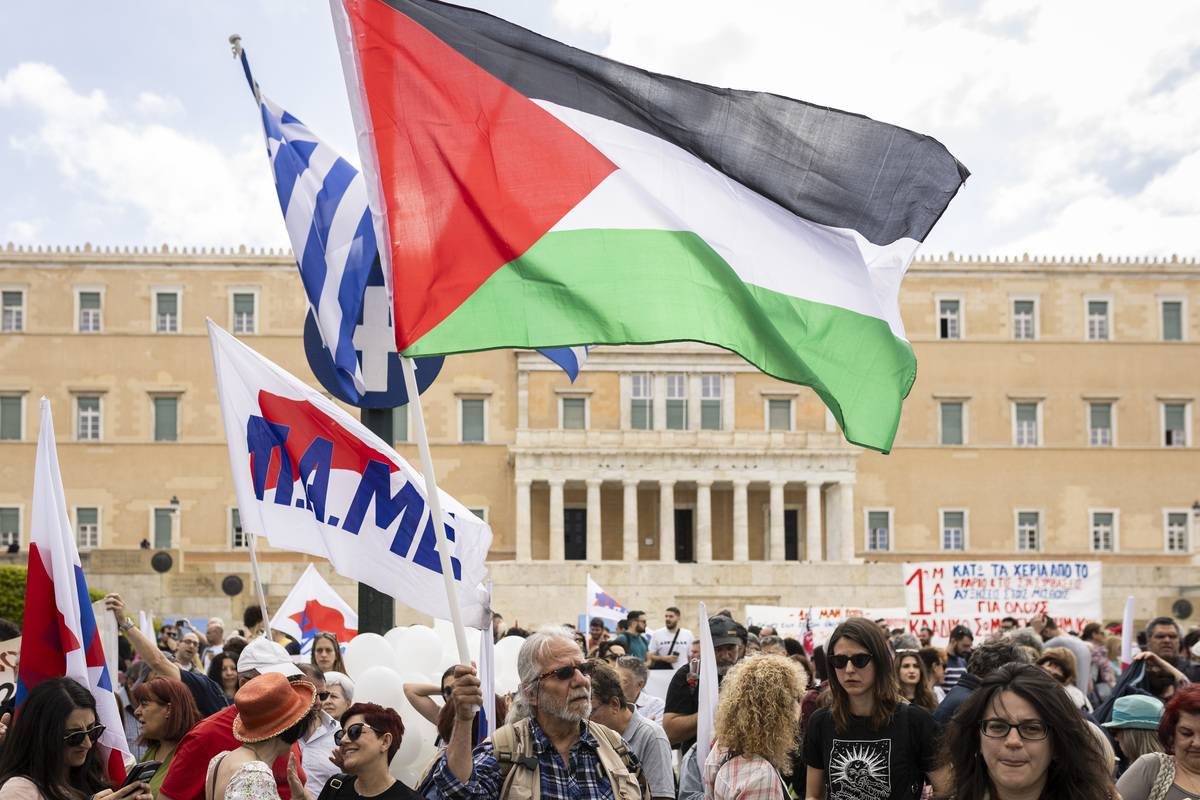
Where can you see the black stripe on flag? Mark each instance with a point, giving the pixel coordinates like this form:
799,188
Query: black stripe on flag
827,166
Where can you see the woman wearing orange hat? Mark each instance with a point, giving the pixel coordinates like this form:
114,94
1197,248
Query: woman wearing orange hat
273,714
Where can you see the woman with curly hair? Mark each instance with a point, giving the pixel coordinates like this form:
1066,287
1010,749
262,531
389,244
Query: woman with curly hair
1018,735
757,725
868,743
914,683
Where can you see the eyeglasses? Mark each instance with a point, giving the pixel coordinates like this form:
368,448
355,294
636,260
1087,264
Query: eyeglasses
1033,730
568,672
352,733
322,696
859,660
75,738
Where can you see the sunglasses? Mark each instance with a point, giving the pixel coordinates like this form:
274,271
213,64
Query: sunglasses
352,733
859,660
568,672
75,738
322,696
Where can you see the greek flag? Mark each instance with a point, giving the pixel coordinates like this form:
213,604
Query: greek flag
324,203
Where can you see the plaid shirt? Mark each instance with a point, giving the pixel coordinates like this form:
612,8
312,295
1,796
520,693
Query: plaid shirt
581,778
746,778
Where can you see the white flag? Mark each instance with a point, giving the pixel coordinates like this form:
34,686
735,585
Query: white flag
601,604
707,701
312,607
311,478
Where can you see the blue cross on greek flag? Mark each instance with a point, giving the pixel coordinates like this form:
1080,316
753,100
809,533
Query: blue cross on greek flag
324,203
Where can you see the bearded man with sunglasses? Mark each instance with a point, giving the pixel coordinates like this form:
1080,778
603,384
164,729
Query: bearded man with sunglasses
548,742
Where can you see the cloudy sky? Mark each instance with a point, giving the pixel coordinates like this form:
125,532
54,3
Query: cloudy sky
129,123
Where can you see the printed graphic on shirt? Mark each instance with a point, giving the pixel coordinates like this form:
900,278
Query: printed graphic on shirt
860,770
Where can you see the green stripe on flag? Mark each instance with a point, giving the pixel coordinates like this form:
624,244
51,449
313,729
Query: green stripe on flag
646,286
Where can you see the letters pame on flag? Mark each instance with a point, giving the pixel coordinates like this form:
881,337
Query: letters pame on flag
312,479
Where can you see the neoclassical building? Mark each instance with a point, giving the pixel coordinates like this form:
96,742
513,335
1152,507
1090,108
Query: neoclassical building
1053,416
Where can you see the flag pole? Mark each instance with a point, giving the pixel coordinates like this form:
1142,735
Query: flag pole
262,598
435,508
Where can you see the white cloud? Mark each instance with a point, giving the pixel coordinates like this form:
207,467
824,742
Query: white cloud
156,105
21,231
187,190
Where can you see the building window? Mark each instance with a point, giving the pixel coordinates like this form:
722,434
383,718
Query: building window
951,422
238,539
10,526
1172,320
87,528
472,410
166,419
87,418
89,312
954,530
641,402
710,402
166,312
574,413
1100,427
949,319
1098,322
1177,532
1024,318
779,414
400,424
1175,427
879,530
163,527
1104,531
677,402
10,417
243,312
12,315
479,512
1025,424
1029,531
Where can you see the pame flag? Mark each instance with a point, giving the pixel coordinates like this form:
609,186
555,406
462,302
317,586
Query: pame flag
59,636
313,479
312,607
602,604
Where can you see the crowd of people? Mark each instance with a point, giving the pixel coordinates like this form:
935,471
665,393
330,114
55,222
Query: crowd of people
871,714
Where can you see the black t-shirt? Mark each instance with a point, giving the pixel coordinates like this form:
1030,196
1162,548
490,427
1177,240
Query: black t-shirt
208,695
682,699
348,791
865,764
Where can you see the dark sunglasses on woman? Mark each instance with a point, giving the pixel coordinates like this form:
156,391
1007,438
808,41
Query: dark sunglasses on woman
859,660
352,733
75,738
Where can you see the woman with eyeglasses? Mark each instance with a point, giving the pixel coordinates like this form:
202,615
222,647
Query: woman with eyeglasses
166,711
327,653
420,696
914,683
367,742
50,750
222,671
868,742
1019,736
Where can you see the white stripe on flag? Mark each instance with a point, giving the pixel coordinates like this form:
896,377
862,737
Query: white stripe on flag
707,700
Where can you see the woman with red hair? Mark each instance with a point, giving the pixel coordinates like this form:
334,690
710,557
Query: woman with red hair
1175,774
166,710
367,743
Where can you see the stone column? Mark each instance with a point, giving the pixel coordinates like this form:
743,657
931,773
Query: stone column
812,522
776,551
741,521
703,522
629,514
557,537
594,553
846,512
523,533
666,521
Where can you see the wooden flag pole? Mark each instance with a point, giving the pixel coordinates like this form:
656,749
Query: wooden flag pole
435,509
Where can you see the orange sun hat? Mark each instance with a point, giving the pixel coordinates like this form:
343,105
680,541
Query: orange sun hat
269,705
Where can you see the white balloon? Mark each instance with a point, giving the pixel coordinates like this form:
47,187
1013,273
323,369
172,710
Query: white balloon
408,774
507,681
422,650
412,743
368,650
381,685
395,637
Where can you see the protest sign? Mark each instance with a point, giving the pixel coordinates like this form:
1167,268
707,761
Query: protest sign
10,653
978,594
795,621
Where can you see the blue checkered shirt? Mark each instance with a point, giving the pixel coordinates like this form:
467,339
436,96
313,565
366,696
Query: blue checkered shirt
581,778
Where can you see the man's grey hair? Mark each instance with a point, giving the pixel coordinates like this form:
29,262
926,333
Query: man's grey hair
1026,637
994,654
530,660
636,666
906,641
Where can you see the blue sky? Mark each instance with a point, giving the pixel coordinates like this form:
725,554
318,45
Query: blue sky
129,123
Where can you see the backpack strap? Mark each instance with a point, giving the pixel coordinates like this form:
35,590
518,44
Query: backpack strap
513,747
620,765
333,786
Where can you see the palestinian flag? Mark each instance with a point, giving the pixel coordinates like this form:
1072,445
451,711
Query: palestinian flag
535,195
